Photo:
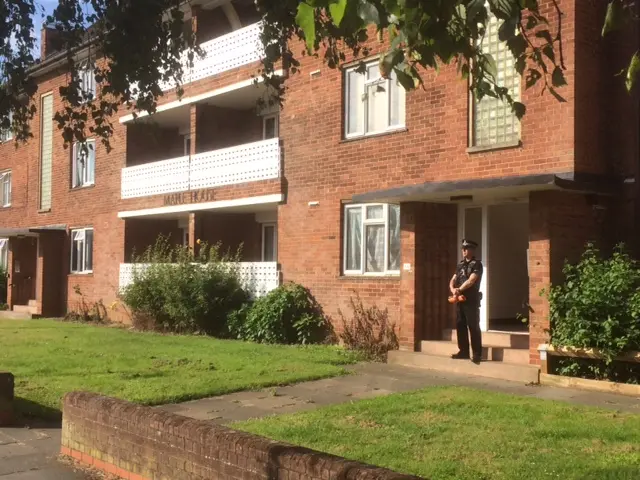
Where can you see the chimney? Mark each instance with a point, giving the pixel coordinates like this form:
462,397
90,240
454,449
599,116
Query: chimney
49,42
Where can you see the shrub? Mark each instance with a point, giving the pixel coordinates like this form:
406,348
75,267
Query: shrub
598,306
288,315
184,293
86,311
368,331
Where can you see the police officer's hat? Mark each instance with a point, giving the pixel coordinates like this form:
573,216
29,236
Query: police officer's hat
469,244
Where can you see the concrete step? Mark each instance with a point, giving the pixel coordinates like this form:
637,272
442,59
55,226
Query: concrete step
9,315
25,309
498,339
489,352
33,303
501,370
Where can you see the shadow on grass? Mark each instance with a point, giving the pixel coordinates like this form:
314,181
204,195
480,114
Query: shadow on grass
35,415
614,472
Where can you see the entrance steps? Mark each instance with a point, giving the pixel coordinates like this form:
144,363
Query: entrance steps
505,356
22,312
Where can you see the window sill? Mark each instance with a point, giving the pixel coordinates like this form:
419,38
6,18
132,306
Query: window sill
44,210
5,206
497,146
374,135
82,187
81,274
370,276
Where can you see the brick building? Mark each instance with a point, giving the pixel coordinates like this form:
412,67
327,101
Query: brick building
354,186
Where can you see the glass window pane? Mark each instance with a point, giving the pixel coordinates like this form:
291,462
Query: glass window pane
377,107
91,162
396,102
88,264
375,212
74,256
270,128
373,71
355,104
353,249
375,248
269,244
394,237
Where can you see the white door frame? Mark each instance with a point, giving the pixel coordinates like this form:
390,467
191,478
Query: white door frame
483,254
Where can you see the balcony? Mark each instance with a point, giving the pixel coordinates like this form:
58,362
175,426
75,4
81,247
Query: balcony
257,278
235,49
248,162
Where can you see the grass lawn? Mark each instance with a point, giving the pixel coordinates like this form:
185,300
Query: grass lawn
50,358
462,433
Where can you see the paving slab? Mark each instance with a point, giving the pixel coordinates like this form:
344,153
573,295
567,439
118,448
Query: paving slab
373,380
28,453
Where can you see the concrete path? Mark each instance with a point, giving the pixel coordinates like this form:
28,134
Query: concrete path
29,453
373,380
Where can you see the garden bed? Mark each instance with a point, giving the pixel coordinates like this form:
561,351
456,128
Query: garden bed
629,361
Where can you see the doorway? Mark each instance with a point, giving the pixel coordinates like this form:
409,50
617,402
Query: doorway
23,279
502,234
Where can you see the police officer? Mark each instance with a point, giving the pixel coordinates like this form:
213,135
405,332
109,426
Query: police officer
466,281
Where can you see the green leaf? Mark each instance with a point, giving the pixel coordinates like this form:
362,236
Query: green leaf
337,11
406,80
557,77
614,18
558,97
632,72
306,21
519,109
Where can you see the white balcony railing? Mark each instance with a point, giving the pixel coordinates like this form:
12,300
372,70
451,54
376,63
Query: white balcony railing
240,47
245,163
257,278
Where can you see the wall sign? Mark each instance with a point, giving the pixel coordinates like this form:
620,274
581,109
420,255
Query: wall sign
194,196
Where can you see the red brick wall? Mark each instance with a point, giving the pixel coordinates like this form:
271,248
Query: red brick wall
560,226
136,442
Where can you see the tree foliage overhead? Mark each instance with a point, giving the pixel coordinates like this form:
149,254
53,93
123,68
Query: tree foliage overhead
142,44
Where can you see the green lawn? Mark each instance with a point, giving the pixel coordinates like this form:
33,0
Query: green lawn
462,433
50,358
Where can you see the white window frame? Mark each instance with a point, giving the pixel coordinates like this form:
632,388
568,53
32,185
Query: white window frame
6,134
87,80
275,241
363,244
5,183
4,254
365,111
276,118
89,177
81,250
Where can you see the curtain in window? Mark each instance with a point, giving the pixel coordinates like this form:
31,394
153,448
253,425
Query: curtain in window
354,239
394,237
375,248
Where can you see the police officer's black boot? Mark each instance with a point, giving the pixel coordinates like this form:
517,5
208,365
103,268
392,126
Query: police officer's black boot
460,356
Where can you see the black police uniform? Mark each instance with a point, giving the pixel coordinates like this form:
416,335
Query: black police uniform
468,314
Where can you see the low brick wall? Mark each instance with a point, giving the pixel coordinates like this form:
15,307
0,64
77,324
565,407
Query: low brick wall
136,442
6,399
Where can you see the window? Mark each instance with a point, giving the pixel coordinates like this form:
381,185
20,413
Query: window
84,164
493,121
269,242
372,239
46,151
270,127
372,104
4,254
87,80
82,250
5,189
187,145
6,134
